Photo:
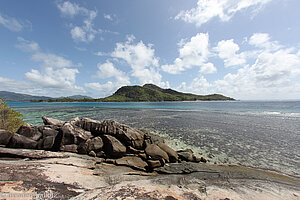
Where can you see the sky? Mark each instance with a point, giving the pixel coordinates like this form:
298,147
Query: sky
245,49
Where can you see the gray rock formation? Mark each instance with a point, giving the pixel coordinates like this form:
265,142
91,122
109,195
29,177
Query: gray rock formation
113,142
30,132
51,121
20,141
5,137
173,156
113,147
133,162
156,153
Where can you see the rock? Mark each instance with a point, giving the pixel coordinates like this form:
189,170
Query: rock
113,147
47,131
203,160
126,134
91,125
69,148
173,156
110,161
100,154
74,121
5,137
186,155
73,134
143,156
20,141
133,150
29,153
69,136
133,162
51,121
154,163
48,142
156,153
188,168
95,144
31,132
92,153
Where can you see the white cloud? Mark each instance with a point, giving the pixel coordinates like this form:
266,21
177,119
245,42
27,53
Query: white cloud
14,85
108,17
86,32
142,60
192,53
262,40
227,50
206,10
208,68
26,45
11,23
71,9
271,76
199,85
51,60
275,74
56,76
63,78
105,71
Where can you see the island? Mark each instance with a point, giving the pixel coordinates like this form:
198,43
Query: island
145,93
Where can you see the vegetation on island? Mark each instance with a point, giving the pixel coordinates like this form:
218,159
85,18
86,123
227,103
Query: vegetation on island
10,119
148,92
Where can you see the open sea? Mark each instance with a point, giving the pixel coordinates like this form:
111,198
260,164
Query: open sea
263,134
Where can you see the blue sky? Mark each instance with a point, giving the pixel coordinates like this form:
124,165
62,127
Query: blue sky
246,49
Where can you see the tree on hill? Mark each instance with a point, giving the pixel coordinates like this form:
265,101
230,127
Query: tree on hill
10,119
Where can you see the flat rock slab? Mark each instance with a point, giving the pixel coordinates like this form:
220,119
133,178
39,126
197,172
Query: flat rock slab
29,153
133,162
84,177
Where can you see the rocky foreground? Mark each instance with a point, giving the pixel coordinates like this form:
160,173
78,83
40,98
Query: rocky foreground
88,159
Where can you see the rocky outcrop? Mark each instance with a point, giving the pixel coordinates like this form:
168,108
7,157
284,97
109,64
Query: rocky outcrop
5,137
133,162
113,147
113,142
51,121
173,156
156,153
30,132
20,141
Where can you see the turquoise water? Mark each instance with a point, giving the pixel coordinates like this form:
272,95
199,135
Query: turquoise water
257,133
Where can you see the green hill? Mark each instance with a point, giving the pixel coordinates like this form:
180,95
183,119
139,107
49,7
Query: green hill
150,92
17,97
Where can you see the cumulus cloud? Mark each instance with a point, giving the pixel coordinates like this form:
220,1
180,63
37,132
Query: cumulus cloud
275,71
199,85
105,71
86,32
11,23
14,85
57,75
26,45
263,40
51,60
227,50
63,78
109,17
195,52
207,10
142,60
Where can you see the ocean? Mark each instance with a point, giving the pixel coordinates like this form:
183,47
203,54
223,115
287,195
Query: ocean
264,134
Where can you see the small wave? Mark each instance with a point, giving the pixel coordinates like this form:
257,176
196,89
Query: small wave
273,113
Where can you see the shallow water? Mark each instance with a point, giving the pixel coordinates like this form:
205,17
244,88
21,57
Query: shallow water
262,134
